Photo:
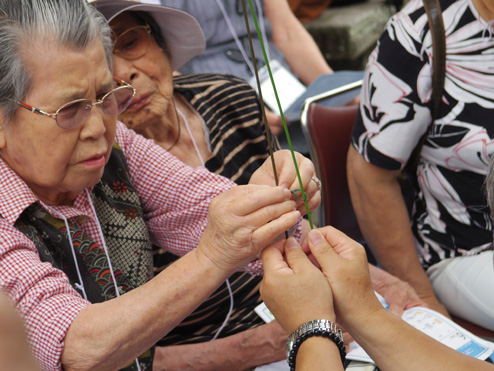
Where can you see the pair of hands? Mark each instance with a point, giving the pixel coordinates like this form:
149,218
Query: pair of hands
326,277
245,219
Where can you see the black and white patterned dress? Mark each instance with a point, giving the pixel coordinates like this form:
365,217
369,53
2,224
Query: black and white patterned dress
451,217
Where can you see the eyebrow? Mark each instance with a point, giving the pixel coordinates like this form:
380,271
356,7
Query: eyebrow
121,28
103,89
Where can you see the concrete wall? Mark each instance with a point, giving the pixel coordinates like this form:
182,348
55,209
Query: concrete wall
347,34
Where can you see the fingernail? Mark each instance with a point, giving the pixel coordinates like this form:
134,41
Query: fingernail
315,236
288,194
291,243
285,185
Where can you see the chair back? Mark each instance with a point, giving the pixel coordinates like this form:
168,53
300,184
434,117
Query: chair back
328,131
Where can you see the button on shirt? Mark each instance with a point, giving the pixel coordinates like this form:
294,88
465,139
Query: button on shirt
175,200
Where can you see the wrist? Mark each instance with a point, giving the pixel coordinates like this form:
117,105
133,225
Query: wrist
317,351
366,318
319,328
261,345
209,267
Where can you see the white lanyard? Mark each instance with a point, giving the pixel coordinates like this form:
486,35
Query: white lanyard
230,293
235,36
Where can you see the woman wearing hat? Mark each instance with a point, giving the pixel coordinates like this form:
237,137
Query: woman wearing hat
83,198
210,120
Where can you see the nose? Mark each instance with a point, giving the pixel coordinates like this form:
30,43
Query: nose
95,125
124,69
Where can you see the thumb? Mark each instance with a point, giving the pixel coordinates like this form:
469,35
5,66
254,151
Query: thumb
396,309
321,249
295,256
272,260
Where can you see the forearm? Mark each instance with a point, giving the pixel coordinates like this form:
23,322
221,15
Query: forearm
395,345
384,221
294,41
258,346
304,57
115,332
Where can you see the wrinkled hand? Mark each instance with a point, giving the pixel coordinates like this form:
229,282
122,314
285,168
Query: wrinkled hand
433,303
242,221
293,288
287,177
242,351
344,263
397,293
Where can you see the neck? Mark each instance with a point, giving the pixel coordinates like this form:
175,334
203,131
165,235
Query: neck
485,9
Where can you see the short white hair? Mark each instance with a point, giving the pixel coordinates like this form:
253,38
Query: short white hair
72,23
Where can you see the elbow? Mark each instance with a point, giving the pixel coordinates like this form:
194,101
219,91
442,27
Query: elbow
81,358
84,350
355,168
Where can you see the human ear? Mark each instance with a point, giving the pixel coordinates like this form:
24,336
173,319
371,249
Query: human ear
3,126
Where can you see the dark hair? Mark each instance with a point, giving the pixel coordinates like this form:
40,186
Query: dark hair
145,17
73,23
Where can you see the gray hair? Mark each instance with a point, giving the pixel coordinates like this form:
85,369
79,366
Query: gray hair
73,24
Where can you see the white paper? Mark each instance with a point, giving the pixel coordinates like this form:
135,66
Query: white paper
263,312
440,328
288,87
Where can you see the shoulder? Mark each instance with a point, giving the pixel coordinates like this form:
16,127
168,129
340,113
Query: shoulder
216,90
413,20
205,81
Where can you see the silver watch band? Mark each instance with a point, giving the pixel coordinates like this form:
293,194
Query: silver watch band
317,327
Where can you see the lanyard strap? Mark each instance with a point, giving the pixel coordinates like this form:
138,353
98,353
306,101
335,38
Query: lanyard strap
240,47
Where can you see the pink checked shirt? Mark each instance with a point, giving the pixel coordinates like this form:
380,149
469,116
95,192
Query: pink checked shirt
175,200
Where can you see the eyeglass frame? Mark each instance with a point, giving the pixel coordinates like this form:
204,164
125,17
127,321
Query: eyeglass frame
99,101
118,52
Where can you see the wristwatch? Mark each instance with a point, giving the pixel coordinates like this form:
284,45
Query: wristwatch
317,327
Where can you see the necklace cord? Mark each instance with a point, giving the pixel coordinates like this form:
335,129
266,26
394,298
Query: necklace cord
179,126
285,127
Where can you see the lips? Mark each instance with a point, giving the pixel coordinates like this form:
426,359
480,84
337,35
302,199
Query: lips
96,160
138,102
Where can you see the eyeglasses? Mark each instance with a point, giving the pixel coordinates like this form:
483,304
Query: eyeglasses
133,43
73,114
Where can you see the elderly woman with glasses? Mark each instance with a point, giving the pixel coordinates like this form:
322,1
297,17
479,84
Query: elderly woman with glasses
83,199
211,120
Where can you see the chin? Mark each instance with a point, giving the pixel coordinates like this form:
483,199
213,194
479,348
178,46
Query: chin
139,121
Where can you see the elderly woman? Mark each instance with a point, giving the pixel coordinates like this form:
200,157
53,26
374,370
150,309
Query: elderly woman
82,199
212,120
205,120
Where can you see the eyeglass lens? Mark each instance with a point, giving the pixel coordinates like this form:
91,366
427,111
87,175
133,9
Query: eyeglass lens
132,43
75,113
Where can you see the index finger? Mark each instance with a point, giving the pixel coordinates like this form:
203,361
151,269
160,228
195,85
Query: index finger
250,198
